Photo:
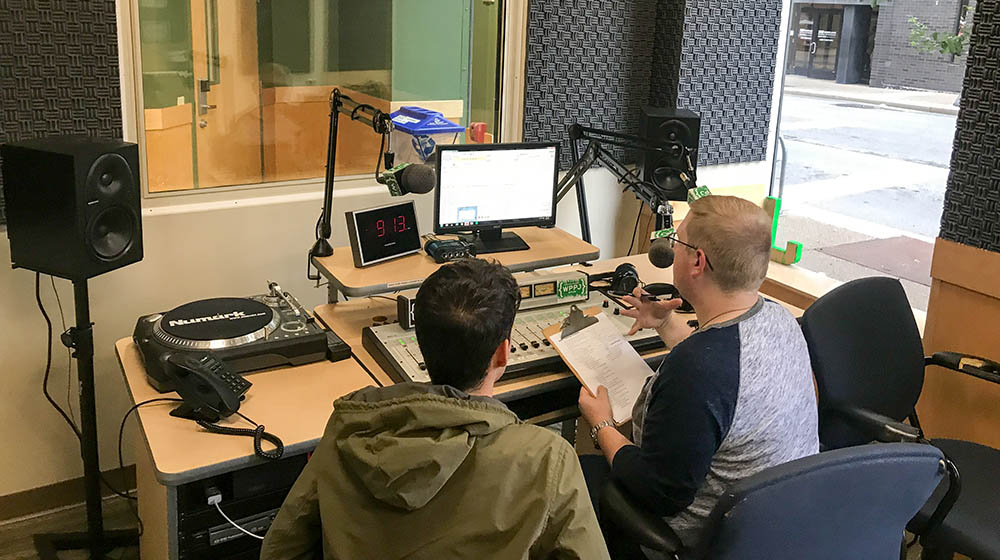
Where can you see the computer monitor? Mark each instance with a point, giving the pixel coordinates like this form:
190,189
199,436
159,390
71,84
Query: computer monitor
483,188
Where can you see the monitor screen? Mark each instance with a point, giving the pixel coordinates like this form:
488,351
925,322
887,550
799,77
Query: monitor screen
489,186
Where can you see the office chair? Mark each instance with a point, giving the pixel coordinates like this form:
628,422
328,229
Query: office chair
848,503
868,361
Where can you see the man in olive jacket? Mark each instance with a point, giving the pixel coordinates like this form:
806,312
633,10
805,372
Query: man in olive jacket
441,470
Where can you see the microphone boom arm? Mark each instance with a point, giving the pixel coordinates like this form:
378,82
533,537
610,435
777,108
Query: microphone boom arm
381,123
643,190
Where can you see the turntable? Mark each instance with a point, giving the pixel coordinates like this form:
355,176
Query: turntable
247,334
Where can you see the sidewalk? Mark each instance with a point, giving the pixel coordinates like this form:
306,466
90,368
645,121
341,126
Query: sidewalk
928,101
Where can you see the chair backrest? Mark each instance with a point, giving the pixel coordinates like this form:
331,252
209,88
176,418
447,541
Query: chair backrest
847,503
866,353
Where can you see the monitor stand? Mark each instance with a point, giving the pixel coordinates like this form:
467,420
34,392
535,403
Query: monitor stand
497,241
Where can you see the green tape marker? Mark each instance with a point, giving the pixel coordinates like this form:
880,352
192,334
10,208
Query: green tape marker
661,233
698,192
792,253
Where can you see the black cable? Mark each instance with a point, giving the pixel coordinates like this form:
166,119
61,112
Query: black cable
48,359
45,384
121,460
258,434
69,353
364,367
635,229
378,158
382,297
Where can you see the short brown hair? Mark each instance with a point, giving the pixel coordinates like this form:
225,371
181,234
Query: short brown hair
736,235
463,312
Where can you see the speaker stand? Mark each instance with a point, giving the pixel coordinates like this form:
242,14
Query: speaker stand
98,541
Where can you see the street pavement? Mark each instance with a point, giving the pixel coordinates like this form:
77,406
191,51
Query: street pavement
859,171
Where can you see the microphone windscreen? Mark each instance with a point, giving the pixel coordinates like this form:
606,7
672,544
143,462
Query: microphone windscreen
418,178
661,254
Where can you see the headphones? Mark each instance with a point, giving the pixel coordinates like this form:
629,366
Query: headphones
624,280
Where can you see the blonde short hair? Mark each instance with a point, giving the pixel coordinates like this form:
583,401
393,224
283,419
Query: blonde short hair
736,235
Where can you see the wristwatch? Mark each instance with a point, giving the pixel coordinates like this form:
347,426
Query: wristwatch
596,429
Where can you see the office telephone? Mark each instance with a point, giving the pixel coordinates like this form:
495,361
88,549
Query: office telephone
209,389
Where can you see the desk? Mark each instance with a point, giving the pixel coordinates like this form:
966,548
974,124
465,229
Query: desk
553,389
293,403
548,247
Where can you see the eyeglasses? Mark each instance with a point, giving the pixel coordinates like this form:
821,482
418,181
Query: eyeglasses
673,240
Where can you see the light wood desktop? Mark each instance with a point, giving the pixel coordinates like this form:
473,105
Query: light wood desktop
548,247
293,403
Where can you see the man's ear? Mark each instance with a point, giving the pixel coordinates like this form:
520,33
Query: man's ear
501,355
700,264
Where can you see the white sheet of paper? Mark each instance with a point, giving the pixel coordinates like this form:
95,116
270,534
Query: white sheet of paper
600,355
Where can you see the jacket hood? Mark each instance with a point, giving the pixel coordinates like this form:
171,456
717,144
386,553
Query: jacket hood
404,442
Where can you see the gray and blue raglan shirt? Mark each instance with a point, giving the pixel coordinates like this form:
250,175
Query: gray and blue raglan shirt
728,401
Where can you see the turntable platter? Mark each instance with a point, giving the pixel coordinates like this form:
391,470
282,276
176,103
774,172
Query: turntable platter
215,323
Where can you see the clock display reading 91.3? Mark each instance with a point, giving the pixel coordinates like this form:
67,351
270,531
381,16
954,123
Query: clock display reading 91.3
386,232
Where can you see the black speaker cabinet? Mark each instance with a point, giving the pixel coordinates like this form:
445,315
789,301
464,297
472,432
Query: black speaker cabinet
676,131
73,205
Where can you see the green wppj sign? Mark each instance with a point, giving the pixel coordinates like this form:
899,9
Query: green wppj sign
571,288
661,233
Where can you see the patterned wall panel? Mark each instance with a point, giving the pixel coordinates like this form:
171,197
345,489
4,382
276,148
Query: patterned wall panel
727,66
58,69
599,61
669,28
972,202
588,61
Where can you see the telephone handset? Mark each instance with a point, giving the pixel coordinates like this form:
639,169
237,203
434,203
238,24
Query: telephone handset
209,389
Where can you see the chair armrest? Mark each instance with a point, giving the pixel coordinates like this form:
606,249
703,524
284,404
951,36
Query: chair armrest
882,428
635,523
964,363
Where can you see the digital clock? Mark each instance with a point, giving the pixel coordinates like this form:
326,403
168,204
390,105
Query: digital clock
383,233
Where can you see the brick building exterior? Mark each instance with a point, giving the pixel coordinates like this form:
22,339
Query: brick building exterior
868,42
895,63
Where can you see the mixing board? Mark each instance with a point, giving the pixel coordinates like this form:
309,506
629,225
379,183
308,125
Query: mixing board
396,349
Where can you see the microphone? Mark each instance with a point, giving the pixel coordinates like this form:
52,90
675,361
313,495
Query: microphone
406,178
661,254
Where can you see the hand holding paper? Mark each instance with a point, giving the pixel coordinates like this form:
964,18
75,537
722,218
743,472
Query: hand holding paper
599,355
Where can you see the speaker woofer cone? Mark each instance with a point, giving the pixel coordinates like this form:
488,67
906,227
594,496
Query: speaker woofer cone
108,175
111,232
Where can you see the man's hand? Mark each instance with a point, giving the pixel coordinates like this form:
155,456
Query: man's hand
595,409
649,314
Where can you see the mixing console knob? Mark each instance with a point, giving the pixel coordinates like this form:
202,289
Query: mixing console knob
534,344
617,311
546,342
524,346
606,303
513,349
422,366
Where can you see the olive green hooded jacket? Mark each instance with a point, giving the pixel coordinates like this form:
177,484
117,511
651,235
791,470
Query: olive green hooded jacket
424,471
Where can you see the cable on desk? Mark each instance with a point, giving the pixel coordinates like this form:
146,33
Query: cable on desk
233,523
364,367
258,434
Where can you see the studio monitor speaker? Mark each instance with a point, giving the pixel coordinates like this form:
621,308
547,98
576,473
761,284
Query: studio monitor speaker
73,205
675,132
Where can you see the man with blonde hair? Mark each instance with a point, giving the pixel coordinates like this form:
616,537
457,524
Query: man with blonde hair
733,397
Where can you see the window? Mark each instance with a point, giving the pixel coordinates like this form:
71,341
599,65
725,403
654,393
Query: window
236,92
